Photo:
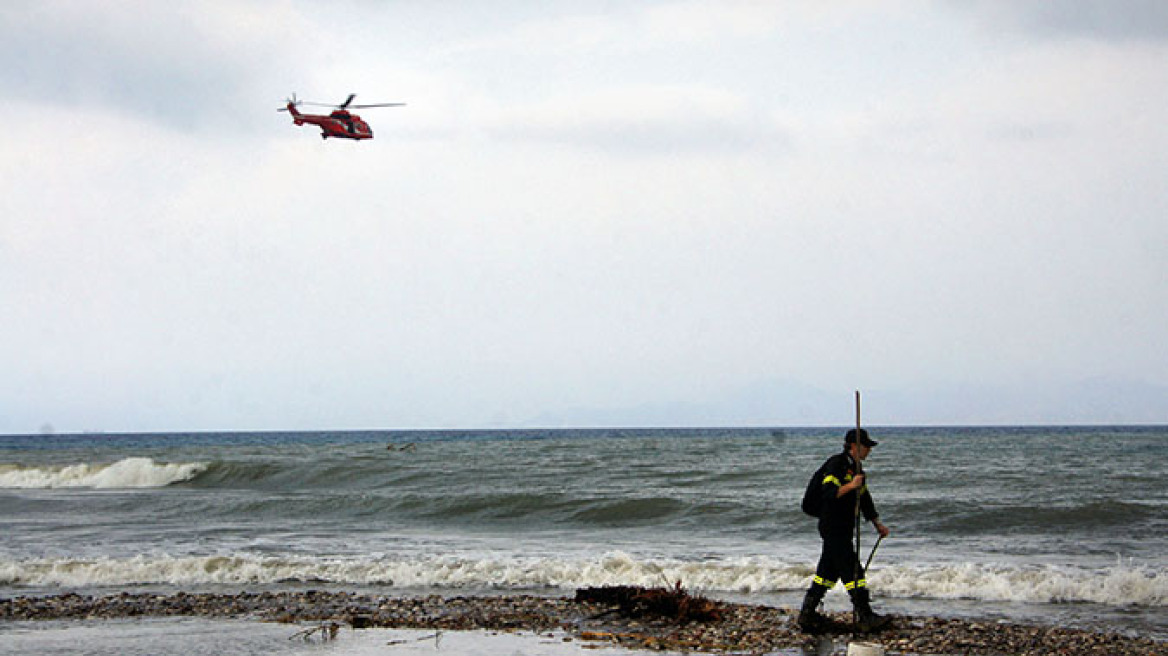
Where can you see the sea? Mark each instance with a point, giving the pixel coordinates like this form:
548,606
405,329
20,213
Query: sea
1055,525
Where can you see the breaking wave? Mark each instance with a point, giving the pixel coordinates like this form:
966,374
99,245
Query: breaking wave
430,572
1121,585
127,473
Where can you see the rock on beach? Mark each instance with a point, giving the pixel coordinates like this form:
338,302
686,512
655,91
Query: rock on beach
739,628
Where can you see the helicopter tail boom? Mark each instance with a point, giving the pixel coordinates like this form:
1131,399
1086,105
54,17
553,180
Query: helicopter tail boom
291,107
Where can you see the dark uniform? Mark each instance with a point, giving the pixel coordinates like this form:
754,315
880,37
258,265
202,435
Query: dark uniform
837,525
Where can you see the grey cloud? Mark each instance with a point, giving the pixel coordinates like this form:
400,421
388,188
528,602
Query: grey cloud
154,65
1120,20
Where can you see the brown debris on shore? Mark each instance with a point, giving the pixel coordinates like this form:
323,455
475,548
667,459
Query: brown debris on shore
666,603
734,627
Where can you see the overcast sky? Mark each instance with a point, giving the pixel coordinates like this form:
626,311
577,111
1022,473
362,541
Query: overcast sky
588,214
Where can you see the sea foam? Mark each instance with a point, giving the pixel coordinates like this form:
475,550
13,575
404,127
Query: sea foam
1122,585
447,571
127,473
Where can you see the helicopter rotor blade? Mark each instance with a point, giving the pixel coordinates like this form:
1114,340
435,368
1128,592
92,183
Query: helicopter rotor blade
378,105
348,104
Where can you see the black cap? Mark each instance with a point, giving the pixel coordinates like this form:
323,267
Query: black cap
864,439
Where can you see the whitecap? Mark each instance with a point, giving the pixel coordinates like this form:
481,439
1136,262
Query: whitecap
136,472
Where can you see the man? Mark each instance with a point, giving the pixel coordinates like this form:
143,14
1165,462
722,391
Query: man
839,483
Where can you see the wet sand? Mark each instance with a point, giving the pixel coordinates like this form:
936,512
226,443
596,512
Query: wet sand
742,628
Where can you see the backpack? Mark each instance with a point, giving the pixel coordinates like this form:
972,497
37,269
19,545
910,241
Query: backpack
813,497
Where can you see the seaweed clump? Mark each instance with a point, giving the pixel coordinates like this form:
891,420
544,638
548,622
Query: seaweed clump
666,603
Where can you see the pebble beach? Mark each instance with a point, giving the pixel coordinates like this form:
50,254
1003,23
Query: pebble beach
741,628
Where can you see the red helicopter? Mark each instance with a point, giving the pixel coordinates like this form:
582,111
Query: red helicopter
339,123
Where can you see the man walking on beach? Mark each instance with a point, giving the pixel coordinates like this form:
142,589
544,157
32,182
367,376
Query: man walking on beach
831,496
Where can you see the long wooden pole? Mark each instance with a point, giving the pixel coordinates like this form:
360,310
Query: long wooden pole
859,471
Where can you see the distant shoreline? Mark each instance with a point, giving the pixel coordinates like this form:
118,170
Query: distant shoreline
583,431
743,627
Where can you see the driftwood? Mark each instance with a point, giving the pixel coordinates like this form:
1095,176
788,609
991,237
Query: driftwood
437,638
326,631
666,603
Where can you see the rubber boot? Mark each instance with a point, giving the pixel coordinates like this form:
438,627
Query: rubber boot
810,621
866,619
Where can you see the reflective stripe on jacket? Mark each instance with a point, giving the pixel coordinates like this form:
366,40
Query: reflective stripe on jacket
838,513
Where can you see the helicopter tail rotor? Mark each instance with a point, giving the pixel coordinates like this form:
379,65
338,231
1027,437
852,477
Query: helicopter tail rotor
289,102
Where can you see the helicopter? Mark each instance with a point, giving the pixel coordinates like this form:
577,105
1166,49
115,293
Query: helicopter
339,123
